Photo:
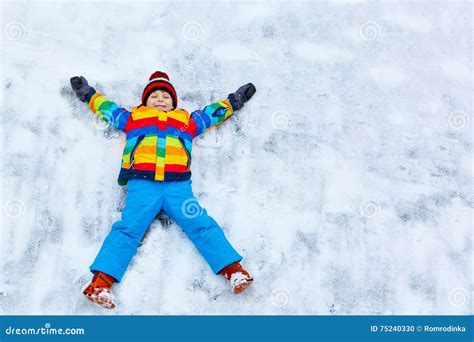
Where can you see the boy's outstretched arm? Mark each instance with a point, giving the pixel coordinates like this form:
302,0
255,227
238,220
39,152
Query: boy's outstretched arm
107,110
216,113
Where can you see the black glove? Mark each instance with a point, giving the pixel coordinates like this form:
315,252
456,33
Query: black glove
242,95
80,87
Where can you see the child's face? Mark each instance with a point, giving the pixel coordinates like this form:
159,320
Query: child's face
161,100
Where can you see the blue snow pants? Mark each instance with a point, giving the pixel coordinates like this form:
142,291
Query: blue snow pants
144,200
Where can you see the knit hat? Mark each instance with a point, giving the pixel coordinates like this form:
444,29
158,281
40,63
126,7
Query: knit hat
159,80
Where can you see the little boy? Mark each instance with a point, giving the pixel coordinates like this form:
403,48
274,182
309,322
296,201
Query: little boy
156,165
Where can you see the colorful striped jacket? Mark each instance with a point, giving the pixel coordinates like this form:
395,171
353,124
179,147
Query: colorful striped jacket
158,144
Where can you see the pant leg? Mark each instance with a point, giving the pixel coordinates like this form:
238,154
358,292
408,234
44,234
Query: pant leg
144,200
208,237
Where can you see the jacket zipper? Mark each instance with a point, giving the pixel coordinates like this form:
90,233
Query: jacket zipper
132,154
181,140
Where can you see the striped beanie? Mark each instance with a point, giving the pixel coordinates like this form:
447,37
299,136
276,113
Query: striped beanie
159,80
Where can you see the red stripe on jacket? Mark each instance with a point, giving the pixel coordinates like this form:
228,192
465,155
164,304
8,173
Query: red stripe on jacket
189,127
134,124
175,168
144,166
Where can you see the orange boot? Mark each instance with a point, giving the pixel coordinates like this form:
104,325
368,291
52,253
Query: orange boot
98,290
238,277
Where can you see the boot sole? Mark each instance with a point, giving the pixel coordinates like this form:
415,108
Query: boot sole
242,287
94,299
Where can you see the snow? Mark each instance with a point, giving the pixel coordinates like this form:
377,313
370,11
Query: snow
346,181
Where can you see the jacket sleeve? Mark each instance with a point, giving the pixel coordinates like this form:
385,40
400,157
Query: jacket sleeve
107,110
210,116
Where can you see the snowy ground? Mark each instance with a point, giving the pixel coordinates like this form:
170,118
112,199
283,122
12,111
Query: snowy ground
346,182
